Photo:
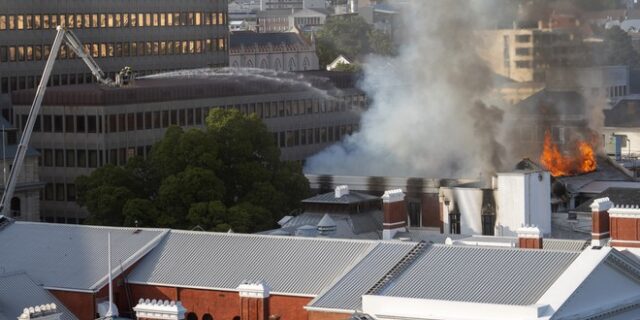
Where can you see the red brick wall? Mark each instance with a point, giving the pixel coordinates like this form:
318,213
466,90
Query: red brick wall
288,307
221,304
317,315
431,213
395,212
600,224
253,308
79,303
530,243
627,229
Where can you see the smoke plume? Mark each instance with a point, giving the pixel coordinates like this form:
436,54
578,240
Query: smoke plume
427,117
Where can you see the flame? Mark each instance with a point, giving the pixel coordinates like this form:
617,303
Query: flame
564,165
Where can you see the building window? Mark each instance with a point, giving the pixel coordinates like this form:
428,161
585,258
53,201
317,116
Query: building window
60,192
71,192
415,214
57,123
191,316
454,221
523,38
15,207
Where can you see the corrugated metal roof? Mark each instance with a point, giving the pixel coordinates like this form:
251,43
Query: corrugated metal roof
481,274
18,291
75,256
564,244
352,197
289,265
364,225
346,293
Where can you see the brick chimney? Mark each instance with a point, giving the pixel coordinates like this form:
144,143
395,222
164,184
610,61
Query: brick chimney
624,223
600,221
529,237
395,213
254,300
159,309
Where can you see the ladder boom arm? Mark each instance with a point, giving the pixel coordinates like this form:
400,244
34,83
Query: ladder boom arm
18,160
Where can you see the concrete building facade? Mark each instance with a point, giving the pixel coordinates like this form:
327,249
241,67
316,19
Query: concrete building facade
147,36
524,55
84,127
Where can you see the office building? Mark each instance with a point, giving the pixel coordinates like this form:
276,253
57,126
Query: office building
84,127
148,36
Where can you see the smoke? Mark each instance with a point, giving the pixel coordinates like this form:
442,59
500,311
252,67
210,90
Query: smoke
427,117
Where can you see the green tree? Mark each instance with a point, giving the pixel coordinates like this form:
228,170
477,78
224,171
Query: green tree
227,176
351,36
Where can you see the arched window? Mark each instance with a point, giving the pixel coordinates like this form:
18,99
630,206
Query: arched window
191,316
292,64
15,207
235,64
264,64
249,64
305,64
278,65
207,317
236,318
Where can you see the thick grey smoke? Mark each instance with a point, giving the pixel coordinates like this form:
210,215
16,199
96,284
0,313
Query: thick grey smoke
427,117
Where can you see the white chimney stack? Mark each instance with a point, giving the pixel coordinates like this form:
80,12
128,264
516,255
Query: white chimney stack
341,191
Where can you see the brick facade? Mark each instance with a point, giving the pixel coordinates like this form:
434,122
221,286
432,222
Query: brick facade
222,304
318,315
530,243
600,227
395,214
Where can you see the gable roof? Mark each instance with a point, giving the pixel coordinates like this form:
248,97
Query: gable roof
547,103
481,274
361,225
75,255
18,291
221,261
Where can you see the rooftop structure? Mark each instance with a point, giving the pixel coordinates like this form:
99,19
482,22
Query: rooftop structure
305,278
19,292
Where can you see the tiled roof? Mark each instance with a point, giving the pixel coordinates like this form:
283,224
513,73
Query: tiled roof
71,256
481,274
346,293
18,291
330,198
289,265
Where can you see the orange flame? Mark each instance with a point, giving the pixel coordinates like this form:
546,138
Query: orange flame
562,165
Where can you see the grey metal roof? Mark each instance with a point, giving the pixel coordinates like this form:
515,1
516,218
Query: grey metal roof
624,196
481,274
346,293
18,291
289,265
564,244
75,255
364,225
330,198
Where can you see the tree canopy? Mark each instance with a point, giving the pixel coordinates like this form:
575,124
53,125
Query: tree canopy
226,176
351,36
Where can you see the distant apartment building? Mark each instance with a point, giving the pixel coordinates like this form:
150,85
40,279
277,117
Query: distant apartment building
84,127
286,20
282,51
524,55
148,36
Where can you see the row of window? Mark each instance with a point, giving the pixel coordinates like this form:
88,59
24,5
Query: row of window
115,49
110,20
59,192
293,138
182,117
92,158
8,84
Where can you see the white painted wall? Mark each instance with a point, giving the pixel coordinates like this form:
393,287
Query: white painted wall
384,307
469,202
523,198
633,142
